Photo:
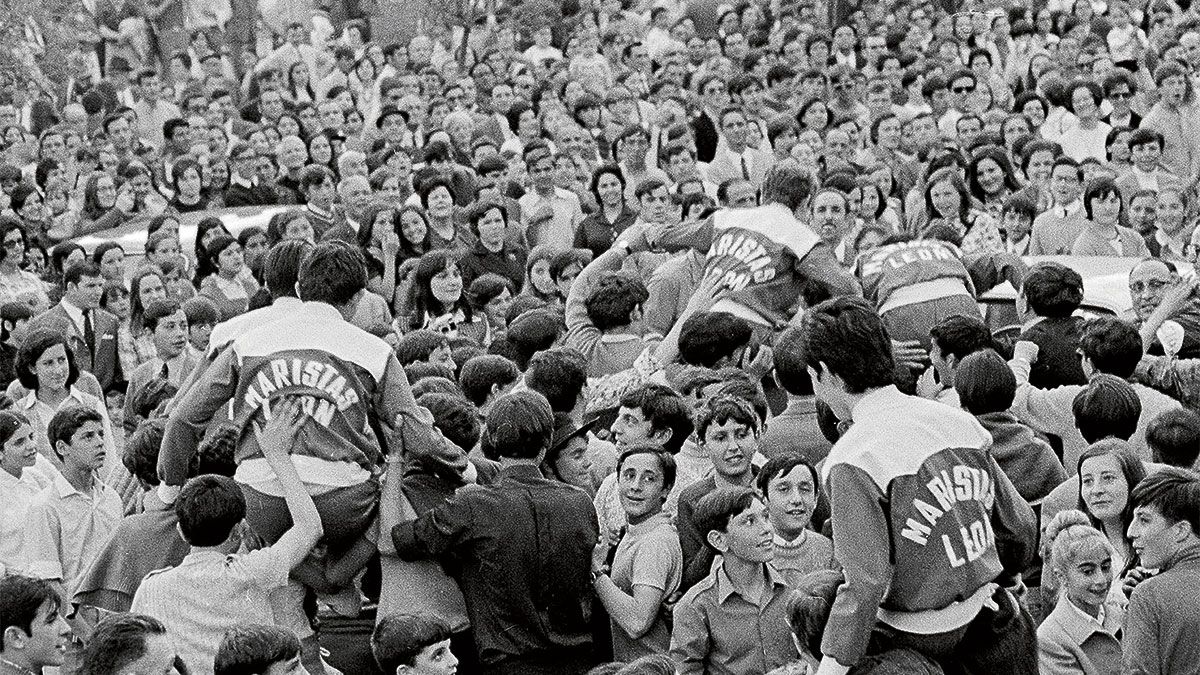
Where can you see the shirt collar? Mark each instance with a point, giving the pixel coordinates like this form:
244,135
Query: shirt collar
725,587
236,179
1069,210
73,312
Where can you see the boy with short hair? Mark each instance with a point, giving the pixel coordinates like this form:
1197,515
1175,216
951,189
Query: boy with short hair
413,644
258,649
215,588
734,621
790,486
1162,626
33,632
70,521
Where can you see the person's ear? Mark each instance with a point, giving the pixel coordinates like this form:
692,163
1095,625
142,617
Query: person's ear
14,637
718,540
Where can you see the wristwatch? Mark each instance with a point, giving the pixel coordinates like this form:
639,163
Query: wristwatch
596,574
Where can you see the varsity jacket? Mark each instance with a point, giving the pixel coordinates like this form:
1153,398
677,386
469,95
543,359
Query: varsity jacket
922,527
349,383
911,272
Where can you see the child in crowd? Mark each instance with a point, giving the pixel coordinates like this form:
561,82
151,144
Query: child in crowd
258,649
413,644
790,486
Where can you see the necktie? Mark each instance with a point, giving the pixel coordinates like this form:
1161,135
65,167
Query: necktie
89,332
745,169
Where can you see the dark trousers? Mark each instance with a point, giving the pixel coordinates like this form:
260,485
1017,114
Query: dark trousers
345,514
997,641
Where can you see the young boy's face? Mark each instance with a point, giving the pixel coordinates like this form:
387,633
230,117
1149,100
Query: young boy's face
1154,538
198,335
290,667
730,445
436,659
749,535
791,498
86,448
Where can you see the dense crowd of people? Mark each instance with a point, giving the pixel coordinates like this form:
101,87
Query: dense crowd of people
668,337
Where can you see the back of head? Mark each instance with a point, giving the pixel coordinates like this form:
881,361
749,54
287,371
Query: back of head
1108,407
1112,345
481,375
651,664
791,371
960,336
519,426
281,267
333,273
560,375
808,607
418,345
399,638
985,383
118,641
1052,289
455,417
141,452
613,299
664,409
208,508
788,184
709,337
846,336
1174,438
251,649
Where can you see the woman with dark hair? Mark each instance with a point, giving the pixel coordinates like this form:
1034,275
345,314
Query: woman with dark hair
46,368
437,196
137,180
991,179
62,257
17,284
435,297
188,183
1107,472
227,285
207,230
414,231
1103,234
134,343
110,257
380,243
523,122
493,252
490,296
948,204
254,248
14,318
289,225
216,181
538,283
299,83
599,230
815,115
320,150
26,202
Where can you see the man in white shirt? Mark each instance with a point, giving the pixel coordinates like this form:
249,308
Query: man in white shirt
551,213
151,110
733,158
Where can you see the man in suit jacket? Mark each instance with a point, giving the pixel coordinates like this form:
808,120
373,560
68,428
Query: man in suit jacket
733,159
244,186
91,331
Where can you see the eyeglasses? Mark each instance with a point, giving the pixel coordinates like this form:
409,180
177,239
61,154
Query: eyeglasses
14,242
842,85
1120,95
962,90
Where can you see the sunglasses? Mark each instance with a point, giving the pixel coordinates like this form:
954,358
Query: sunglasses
963,90
1120,95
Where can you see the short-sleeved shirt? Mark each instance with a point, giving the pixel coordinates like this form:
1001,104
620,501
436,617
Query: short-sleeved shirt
209,593
67,529
16,496
648,555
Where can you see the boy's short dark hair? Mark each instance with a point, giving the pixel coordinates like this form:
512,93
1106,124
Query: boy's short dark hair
435,384
200,311
208,508
118,641
421,369
67,421
708,337
848,337
519,425
251,649
960,336
1174,438
791,369
313,175
666,462
398,639
481,373
1052,289
717,508
1108,407
20,599
455,417
157,310
722,408
418,345
333,273
281,267
559,374
985,383
141,451
1173,492
614,298
215,453
1112,345
782,466
663,408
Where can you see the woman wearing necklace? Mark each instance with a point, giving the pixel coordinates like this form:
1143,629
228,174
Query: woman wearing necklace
35,630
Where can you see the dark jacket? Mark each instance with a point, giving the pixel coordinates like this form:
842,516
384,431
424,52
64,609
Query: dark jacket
102,361
597,234
1058,361
258,195
508,262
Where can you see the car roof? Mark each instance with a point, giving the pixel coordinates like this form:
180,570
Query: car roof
132,235
1105,282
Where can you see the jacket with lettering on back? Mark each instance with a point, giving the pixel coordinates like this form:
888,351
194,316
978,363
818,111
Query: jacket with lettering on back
923,520
757,252
347,380
895,266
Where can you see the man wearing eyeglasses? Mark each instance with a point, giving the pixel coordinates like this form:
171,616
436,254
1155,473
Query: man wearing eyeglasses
1119,90
245,189
962,86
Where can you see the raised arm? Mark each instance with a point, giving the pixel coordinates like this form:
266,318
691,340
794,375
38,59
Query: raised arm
280,434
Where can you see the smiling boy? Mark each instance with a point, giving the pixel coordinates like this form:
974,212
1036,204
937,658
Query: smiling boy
33,632
1162,627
